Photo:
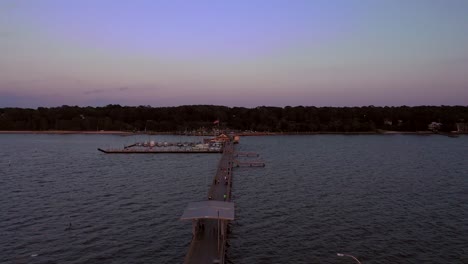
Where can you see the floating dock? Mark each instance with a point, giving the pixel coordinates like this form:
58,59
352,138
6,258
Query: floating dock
249,163
158,151
246,154
152,147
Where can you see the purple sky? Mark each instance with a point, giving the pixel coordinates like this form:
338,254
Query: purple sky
234,53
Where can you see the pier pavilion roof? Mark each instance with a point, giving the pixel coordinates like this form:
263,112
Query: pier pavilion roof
209,209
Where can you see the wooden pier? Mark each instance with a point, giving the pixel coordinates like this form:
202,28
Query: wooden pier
210,218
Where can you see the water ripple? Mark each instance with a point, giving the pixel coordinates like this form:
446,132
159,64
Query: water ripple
384,199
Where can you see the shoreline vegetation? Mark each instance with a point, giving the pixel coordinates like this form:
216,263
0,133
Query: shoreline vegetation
210,119
244,134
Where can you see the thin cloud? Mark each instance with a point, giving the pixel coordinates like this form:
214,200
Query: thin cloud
100,91
95,91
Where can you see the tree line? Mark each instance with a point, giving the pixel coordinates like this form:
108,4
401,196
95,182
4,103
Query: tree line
262,118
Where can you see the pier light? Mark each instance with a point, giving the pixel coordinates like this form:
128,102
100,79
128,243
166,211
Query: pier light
347,255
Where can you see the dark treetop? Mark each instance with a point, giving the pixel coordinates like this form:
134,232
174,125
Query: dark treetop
263,118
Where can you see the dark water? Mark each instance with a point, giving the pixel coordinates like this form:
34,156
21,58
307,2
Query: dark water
384,199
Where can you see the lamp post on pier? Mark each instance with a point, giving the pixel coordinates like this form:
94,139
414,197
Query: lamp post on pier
347,255
218,233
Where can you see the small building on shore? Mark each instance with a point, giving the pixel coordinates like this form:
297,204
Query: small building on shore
434,126
462,127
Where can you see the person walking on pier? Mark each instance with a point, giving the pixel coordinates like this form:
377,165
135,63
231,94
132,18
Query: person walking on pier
225,196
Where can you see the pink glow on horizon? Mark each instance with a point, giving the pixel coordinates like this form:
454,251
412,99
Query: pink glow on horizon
275,53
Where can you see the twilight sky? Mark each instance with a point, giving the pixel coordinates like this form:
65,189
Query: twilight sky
234,53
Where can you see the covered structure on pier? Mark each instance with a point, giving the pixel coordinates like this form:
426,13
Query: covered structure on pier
209,210
209,219
218,211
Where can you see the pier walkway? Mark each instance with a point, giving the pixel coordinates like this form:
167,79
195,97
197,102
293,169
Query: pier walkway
211,217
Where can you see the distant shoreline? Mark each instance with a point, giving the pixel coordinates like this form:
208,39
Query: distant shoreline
421,133
335,133
126,133
66,132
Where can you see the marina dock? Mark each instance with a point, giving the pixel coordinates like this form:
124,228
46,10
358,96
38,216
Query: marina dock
158,150
152,147
210,218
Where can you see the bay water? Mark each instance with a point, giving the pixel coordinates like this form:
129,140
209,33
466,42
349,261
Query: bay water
381,198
